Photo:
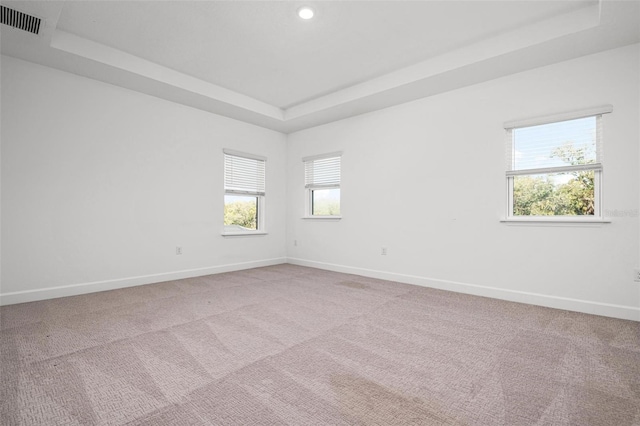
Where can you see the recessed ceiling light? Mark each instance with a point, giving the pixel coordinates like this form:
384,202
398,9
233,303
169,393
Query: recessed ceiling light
305,12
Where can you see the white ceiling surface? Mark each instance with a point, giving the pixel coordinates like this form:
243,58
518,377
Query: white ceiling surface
265,51
260,63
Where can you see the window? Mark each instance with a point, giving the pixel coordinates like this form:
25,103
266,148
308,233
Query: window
322,184
554,167
244,192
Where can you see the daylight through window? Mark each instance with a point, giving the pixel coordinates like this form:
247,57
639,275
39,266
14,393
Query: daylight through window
244,192
555,166
322,183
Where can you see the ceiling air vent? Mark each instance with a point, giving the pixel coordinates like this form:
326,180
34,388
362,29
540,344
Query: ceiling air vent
19,20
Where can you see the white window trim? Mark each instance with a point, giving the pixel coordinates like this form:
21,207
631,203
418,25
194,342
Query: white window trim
330,218
309,190
261,199
554,118
554,220
243,234
598,217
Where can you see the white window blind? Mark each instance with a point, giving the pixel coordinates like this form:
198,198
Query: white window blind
564,146
322,172
244,173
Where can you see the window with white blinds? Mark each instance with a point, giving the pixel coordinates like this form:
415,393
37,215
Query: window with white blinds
322,176
244,193
554,165
244,173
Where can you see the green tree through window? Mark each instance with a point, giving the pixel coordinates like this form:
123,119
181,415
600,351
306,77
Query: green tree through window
241,213
558,194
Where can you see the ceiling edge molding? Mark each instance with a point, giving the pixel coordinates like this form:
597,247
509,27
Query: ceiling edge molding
525,37
581,32
115,58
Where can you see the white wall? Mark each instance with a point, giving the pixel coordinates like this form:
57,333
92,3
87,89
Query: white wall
100,184
426,180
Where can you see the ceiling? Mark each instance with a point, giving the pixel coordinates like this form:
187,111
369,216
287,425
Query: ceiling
257,61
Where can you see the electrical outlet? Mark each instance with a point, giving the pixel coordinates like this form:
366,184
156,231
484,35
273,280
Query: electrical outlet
636,274
383,251
178,250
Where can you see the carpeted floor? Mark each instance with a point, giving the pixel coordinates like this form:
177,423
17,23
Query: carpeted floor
302,346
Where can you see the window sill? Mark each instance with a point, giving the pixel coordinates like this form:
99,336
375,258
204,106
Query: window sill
323,217
555,221
243,234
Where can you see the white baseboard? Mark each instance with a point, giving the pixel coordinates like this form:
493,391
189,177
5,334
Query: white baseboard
577,305
92,287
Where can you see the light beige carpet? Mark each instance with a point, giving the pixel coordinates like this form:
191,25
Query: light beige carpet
301,346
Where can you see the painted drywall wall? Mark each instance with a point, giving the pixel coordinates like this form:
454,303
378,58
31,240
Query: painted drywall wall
100,184
426,180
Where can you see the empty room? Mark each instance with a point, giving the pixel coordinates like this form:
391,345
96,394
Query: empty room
320,213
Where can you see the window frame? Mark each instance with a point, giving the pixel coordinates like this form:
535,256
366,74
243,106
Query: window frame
597,167
310,187
259,192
